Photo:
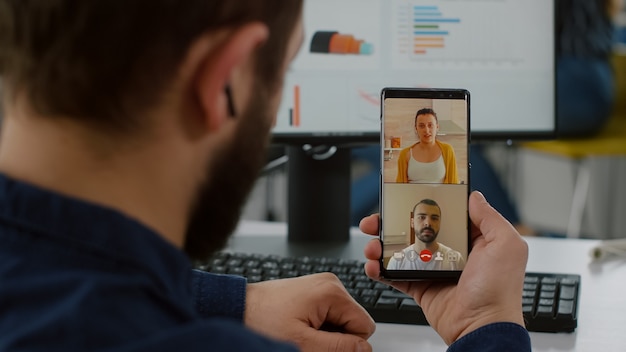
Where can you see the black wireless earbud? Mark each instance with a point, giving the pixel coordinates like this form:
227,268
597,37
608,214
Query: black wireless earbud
229,98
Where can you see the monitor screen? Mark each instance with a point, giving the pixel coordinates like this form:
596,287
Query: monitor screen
502,51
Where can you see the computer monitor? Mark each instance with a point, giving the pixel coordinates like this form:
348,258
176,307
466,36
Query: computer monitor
502,51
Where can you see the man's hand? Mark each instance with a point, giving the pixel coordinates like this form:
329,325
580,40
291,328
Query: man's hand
315,312
490,286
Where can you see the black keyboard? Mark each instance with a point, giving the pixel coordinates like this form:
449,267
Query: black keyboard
549,300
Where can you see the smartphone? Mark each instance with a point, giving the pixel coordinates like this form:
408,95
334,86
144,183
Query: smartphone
424,189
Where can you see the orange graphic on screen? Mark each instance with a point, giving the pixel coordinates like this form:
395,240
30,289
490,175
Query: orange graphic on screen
333,42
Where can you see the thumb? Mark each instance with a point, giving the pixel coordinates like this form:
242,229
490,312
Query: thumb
478,203
320,340
486,219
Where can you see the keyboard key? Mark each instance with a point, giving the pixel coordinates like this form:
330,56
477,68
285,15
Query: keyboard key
531,279
354,292
387,303
361,277
394,294
409,304
367,302
254,278
252,264
236,271
548,281
369,292
530,287
291,273
545,311
287,266
569,282
255,271
546,302
566,308
567,292
269,265
356,271
528,301
233,263
380,286
273,272
363,284
321,268
339,269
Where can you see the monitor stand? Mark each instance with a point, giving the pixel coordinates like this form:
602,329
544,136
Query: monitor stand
318,194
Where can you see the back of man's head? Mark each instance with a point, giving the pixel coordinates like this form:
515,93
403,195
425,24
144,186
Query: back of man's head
103,61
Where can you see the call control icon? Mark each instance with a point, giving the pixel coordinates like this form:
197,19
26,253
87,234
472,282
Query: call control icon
426,255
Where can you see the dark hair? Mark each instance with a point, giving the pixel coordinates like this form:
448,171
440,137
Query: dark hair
427,202
425,111
105,60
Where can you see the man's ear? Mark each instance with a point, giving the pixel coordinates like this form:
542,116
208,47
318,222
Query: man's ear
224,67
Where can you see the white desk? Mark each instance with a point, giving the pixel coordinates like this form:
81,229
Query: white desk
602,305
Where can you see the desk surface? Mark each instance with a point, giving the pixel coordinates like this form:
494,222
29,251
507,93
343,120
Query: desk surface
602,306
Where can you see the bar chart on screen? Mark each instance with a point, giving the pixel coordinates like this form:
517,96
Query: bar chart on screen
454,33
354,48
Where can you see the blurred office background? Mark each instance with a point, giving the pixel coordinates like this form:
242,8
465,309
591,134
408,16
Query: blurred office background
572,187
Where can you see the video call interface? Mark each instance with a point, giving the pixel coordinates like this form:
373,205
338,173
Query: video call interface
354,48
424,204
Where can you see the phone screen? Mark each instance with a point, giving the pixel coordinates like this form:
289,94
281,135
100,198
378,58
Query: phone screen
425,183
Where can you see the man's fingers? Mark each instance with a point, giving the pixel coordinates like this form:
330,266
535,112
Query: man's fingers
496,231
373,250
351,319
333,342
341,311
372,269
369,225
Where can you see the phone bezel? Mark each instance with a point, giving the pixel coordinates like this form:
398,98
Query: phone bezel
420,93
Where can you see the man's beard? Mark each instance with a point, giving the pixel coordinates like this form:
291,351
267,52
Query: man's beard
232,175
425,239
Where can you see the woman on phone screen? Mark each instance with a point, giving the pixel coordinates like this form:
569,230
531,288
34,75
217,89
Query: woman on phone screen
428,160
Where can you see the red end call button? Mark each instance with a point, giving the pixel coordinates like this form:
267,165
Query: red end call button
426,255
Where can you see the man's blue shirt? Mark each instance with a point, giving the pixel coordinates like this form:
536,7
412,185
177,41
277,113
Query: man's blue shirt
75,276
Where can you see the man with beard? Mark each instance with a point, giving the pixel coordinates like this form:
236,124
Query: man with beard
121,120
427,254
